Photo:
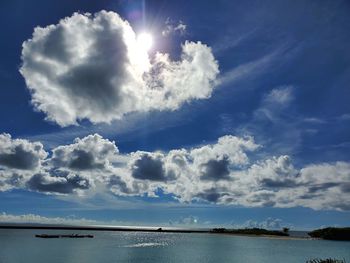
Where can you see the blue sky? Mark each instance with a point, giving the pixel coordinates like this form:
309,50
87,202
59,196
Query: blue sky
239,111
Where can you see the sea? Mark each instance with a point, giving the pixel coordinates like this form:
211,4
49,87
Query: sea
18,246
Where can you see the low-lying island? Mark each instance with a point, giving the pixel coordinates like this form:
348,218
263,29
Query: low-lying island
64,236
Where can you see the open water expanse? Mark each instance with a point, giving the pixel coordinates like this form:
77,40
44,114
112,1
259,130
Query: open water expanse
21,246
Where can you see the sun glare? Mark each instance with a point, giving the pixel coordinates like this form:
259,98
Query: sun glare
145,41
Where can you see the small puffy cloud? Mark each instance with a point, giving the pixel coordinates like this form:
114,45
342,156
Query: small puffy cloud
216,170
92,67
325,185
19,159
212,195
185,221
20,154
151,166
172,83
275,172
10,180
172,28
91,152
231,147
268,223
280,95
120,187
148,166
63,184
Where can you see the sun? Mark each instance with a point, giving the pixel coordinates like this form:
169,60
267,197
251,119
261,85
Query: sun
145,41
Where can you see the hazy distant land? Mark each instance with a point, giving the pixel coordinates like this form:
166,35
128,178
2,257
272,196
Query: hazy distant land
326,233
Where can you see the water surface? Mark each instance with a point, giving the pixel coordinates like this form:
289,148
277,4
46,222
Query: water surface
21,246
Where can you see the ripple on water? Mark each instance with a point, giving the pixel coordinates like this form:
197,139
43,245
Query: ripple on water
150,244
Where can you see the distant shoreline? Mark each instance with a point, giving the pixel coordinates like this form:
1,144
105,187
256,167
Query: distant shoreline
138,229
102,228
268,236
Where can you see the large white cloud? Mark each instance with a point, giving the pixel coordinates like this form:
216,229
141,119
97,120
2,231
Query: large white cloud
226,172
92,67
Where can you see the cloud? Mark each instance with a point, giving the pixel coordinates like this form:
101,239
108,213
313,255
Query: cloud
275,172
91,152
119,187
20,154
65,183
326,185
276,113
250,69
211,195
344,117
19,159
148,167
66,220
10,180
185,221
229,171
273,103
268,223
281,95
172,28
33,218
92,67
216,170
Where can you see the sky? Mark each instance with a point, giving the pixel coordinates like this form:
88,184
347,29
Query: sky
175,113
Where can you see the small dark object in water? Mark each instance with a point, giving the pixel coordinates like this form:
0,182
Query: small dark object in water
160,229
47,236
64,236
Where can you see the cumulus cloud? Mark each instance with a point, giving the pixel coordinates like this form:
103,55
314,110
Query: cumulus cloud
172,28
19,159
216,170
226,172
91,152
65,183
20,154
148,167
92,67
275,172
10,180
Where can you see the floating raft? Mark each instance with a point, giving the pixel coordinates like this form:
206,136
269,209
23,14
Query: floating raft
64,236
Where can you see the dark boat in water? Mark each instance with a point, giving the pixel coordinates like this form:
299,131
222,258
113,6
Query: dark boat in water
64,236
47,236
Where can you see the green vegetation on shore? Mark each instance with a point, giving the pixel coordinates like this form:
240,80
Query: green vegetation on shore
332,233
250,231
327,260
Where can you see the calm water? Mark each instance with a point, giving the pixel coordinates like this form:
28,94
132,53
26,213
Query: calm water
22,246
